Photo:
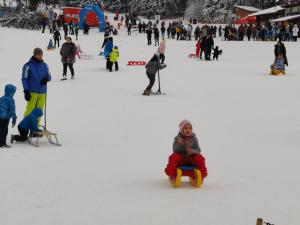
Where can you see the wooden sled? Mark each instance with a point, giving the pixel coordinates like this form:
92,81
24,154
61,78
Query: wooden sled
136,63
86,57
44,133
277,72
260,221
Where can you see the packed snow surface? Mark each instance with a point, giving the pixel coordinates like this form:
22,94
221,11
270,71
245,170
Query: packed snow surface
116,142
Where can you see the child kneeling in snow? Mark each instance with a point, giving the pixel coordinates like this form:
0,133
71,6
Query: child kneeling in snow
29,123
186,151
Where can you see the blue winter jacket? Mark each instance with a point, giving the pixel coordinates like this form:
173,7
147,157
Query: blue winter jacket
7,103
108,48
33,72
30,122
279,63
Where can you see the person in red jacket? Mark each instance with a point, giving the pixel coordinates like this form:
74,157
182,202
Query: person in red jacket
198,48
186,151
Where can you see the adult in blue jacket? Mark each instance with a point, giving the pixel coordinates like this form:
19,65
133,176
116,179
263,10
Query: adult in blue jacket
35,76
7,111
107,50
28,124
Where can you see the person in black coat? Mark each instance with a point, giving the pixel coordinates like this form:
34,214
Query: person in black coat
56,37
149,36
208,46
280,49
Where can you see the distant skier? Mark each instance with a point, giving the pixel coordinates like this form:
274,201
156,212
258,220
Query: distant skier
156,36
7,112
186,151
149,35
35,76
151,69
68,53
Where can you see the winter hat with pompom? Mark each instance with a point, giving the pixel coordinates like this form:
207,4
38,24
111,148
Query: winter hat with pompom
183,124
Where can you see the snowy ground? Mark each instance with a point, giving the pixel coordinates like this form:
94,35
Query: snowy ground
110,169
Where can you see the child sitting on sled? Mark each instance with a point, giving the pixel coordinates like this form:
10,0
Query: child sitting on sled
278,66
50,45
28,124
186,151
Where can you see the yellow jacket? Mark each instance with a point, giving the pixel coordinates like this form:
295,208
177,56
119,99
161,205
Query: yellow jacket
114,55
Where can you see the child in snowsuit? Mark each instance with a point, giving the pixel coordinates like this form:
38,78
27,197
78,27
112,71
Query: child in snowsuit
278,65
151,69
198,48
161,50
7,111
50,45
216,53
113,58
28,124
186,151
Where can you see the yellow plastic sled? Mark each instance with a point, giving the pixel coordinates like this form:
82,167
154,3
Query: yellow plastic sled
194,175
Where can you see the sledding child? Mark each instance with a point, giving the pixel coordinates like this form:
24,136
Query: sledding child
186,151
161,50
28,124
278,66
7,111
151,69
78,51
198,48
216,53
50,45
113,58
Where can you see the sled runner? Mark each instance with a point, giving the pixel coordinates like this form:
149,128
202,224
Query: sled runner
277,72
193,56
43,133
86,57
136,63
188,171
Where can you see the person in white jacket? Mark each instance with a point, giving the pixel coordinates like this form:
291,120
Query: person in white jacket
295,32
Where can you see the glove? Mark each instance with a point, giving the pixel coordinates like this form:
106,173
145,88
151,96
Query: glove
190,152
27,95
44,81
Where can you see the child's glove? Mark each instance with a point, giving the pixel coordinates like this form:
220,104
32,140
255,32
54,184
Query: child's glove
180,141
27,95
190,152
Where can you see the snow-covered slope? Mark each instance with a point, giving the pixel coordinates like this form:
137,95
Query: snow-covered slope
110,169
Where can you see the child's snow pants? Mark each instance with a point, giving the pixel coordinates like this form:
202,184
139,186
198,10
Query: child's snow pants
176,160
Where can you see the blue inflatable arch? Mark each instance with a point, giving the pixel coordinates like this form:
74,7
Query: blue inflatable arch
94,8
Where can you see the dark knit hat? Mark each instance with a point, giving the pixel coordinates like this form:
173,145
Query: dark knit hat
37,51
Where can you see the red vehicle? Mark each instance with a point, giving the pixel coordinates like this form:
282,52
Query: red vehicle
72,13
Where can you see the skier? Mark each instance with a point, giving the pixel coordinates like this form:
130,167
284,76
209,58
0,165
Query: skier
186,151
76,31
113,59
68,53
28,124
7,111
56,37
108,47
161,50
35,76
129,29
163,30
151,69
